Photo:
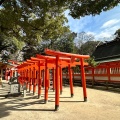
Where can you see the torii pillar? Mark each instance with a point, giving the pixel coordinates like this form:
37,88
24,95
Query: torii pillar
83,79
57,84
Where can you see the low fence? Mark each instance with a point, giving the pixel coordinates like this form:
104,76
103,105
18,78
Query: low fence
108,75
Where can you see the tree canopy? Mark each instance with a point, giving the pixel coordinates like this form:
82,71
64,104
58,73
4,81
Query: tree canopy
42,19
28,22
117,33
77,8
37,19
9,47
32,21
88,47
65,43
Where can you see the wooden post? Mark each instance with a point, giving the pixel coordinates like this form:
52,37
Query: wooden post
11,74
46,81
73,77
23,77
93,77
61,89
53,75
48,78
30,84
57,84
27,79
44,78
39,80
108,73
83,79
70,80
34,82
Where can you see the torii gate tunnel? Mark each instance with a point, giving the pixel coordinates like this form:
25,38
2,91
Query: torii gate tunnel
33,70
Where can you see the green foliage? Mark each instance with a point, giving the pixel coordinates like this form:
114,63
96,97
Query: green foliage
63,43
44,19
88,47
92,62
29,51
80,8
85,43
35,20
66,43
9,46
117,33
76,69
10,43
30,22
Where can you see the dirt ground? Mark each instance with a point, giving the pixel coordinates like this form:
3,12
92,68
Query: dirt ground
101,105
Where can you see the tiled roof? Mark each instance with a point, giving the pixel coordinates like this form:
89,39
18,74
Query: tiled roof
107,51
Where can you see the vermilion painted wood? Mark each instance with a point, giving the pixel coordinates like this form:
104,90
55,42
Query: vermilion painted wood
72,56
53,75
58,62
70,80
27,82
46,81
44,78
33,78
55,53
51,57
39,80
83,79
63,61
61,89
57,84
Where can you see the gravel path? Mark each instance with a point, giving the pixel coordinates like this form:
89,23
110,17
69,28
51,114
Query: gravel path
101,105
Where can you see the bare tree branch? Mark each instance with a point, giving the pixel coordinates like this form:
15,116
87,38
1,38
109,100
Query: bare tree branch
2,2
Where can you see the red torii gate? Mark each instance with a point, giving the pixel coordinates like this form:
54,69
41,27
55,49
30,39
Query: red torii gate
60,60
72,56
10,69
51,60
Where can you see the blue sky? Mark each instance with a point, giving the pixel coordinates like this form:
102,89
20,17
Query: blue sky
102,26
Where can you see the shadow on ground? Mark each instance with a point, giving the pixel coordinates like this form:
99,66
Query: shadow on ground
16,105
3,112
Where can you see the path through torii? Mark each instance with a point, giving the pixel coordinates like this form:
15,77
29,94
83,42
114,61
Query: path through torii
30,72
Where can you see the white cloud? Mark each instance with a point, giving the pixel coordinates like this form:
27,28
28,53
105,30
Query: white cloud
90,33
103,35
77,25
107,33
101,26
110,23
